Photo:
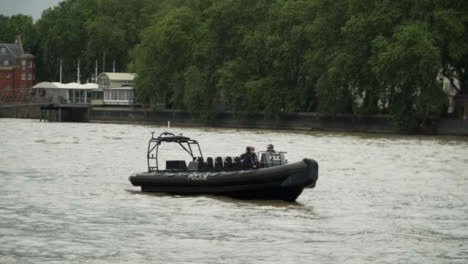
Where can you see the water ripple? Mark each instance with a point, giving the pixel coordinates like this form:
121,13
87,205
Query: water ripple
65,198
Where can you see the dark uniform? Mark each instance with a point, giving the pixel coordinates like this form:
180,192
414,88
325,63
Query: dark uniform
249,159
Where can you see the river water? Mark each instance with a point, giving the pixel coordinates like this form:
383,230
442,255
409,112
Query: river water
65,198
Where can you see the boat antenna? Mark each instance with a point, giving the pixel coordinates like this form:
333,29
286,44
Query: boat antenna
152,134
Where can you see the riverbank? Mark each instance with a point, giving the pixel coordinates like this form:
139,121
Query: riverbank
287,121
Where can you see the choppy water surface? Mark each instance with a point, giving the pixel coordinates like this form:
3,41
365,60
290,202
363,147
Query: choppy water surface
65,197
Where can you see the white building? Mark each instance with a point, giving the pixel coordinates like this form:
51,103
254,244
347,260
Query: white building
114,88
64,93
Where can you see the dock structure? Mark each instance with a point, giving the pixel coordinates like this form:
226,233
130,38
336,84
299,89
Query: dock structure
67,101
64,112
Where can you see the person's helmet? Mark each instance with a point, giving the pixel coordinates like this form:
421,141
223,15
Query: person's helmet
270,146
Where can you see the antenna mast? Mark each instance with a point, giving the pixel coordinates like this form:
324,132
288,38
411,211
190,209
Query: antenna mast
60,70
95,72
78,73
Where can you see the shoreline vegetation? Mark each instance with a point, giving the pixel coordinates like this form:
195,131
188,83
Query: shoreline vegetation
205,57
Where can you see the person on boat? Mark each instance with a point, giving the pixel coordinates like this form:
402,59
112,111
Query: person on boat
247,151
270,148
249,158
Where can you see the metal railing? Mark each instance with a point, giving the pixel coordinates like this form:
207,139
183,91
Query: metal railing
22,97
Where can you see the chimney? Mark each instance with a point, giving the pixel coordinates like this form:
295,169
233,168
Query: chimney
20,43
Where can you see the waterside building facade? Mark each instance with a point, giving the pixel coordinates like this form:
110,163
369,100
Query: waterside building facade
17,68
114,88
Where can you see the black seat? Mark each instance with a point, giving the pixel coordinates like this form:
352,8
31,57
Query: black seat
237,163
219,164
201,164
209,163
228,163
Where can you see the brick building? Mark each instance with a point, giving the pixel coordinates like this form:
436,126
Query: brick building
17,69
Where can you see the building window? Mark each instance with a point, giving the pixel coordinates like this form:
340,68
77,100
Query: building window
103,82
23,76
29,77
6,63
3,50
7,75
23,64
30,64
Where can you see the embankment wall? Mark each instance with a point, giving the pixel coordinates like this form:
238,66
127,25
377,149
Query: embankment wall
294,121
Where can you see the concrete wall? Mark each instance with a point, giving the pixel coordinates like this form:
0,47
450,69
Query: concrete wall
452,126
34,112
20,112
297,121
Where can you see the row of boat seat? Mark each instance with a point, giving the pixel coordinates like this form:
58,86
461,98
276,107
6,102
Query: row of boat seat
219,164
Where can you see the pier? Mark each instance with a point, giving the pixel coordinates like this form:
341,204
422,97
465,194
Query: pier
32,103
64,112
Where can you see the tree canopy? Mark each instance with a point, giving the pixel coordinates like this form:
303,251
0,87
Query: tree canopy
334,56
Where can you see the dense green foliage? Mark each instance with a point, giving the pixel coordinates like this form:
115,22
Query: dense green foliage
334,56
11,27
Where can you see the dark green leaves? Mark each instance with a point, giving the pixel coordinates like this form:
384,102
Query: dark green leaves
360,57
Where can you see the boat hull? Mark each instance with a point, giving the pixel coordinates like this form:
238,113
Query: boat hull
284,182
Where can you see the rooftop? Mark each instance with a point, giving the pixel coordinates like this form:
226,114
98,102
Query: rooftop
11,52
69,86
119,76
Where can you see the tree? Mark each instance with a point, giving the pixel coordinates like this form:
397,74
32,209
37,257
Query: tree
408,64
361,57
18,25
197,97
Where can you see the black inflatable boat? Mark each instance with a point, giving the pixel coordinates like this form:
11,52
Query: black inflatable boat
273,180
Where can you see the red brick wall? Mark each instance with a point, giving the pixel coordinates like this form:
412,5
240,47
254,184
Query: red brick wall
20,77
15,81
4,81
24,74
